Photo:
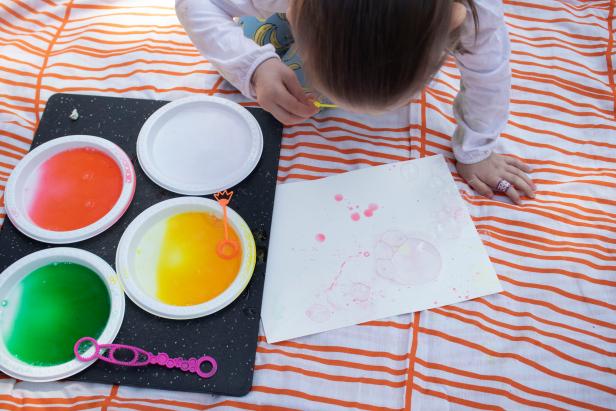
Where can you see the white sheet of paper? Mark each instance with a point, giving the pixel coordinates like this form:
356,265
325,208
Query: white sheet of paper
369,244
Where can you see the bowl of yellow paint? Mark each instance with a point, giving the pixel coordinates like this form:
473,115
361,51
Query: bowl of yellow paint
168,264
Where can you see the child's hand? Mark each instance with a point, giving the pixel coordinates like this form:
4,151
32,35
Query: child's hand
279,92
484,176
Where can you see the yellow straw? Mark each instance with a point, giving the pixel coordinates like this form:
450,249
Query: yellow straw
318,104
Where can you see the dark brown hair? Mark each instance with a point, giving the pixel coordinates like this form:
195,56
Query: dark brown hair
373,53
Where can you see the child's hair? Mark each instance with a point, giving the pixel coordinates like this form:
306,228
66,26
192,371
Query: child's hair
373,53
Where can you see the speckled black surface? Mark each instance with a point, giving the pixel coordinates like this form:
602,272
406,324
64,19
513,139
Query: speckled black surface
229,335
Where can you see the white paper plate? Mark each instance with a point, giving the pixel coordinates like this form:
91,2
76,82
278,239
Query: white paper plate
17,201
131,239
20,269
199,145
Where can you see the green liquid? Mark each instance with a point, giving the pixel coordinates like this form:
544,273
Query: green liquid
50,309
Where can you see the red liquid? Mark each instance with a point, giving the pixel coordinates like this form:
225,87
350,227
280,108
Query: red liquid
75,189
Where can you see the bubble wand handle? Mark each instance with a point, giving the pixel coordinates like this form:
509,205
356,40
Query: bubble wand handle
142,358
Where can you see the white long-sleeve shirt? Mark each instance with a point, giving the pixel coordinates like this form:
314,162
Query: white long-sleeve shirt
481,108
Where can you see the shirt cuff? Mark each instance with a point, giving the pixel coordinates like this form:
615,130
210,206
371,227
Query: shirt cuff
246,87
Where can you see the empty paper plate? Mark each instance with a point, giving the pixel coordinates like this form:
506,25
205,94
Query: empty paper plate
199,145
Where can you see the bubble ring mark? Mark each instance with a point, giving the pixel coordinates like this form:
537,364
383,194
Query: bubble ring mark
222,249
209,360
97,349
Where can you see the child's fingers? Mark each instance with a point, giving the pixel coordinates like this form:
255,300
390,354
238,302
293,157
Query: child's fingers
292,105
480,187
284,116
512,161
522,175
296,90
520,184
513,194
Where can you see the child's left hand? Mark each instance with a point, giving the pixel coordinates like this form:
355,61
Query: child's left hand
485,176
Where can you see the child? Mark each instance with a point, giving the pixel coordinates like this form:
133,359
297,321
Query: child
374,55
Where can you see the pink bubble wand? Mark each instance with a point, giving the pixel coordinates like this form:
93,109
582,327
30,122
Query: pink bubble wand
142,358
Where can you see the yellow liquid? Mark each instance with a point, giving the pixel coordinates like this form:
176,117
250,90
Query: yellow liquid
189,271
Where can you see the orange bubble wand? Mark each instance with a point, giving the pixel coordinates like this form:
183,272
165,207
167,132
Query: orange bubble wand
226,248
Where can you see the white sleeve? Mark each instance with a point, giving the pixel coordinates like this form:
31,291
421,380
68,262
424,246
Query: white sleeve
482,106
210,25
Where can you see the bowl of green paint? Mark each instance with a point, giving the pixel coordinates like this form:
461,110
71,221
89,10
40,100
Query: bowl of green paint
49,300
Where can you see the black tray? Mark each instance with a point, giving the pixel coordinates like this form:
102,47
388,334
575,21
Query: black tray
229,335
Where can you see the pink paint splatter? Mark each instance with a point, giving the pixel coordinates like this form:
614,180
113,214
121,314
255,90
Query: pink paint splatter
435,303
320,237
369,212
406,260
318,313
355,216
366,254
339,197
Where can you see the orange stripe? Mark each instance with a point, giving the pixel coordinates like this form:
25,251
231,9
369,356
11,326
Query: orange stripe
128,63
33,11
298,176
551,245
528,340
559,20
39,78
473,405
548,8
330,159
50,400
548,29
320,399
122,26
333,363
330,377
512,383
113,393
337,349
558,58
609,54
546,257
512,327
132,73
551,271
146,40
567,294
559,40
98,16
559,310
322,170
544,321
122,402
408,397
519,358
505,235
373,154
89,51
489,390
20,17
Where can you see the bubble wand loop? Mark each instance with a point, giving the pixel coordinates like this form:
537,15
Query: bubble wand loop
142,358
226,248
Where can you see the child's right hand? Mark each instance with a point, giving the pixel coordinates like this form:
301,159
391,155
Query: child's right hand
279,92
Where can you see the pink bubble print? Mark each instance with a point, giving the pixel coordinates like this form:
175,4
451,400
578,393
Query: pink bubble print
320,237
355,216
318,313
369,212
339,197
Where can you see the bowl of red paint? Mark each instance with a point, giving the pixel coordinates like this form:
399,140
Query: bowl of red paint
70,189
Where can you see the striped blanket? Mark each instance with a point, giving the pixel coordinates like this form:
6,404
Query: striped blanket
547,342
